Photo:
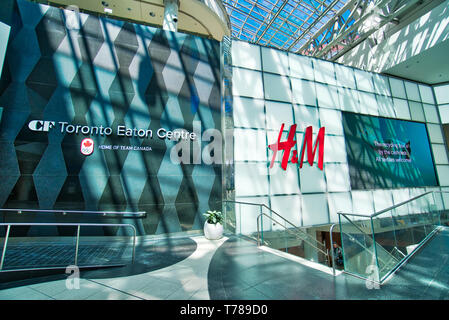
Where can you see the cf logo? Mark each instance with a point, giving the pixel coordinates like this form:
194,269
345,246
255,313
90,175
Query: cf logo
40,125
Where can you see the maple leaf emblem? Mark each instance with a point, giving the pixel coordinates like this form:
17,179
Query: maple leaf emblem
87,143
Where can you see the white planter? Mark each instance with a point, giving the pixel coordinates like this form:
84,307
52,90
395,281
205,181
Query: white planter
213,231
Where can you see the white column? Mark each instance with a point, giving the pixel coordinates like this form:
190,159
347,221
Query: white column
171,15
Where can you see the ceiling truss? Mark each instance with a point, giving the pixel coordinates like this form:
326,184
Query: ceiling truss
325,29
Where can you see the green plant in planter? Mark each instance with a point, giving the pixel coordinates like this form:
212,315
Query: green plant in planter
213,226
214,217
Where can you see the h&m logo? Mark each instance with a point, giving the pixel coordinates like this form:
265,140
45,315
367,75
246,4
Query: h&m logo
290,143
41,125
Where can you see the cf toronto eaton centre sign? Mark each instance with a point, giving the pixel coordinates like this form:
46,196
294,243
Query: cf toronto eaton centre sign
290,143
122,131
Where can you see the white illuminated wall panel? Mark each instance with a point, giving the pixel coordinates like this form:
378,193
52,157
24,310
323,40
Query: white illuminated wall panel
402,110
289,207
248,112
249,145
251,179
412,91
364,80
324,71
247,83
349,99
442,100
312,179
445,197
283,182
382,199
275,61
385,106
303,92
246,55
278,113
368,104
314,209
362,202
327,96
332,121
337,177
440,153
443,175
381,85
300,67
397,88
306,116
345,77
416,111
431,113
435,134
442,94
444,113
277,87
335,149
338,202
426,94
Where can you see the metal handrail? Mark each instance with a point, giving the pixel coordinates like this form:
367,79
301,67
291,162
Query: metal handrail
78,225
332,249
399,251
137,214
277,214
375,214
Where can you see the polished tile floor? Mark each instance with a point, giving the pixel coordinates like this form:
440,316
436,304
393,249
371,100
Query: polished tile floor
232,268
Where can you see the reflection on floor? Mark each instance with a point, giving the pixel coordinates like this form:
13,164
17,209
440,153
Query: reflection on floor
233,268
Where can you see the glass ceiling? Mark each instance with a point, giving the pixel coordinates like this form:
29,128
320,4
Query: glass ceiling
283,24
325,29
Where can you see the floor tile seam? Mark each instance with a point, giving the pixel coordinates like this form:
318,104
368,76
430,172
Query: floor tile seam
40,292
191,294
224,288
110,282
199,290
154,274
434,276
38,286
112,288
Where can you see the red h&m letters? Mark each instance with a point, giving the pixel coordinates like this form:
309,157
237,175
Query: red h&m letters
290,143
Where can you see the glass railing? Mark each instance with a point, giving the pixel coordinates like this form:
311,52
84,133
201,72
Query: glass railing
259,222
34,246
375,245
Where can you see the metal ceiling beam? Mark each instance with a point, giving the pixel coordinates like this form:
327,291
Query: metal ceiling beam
271,21
357,24
322,29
